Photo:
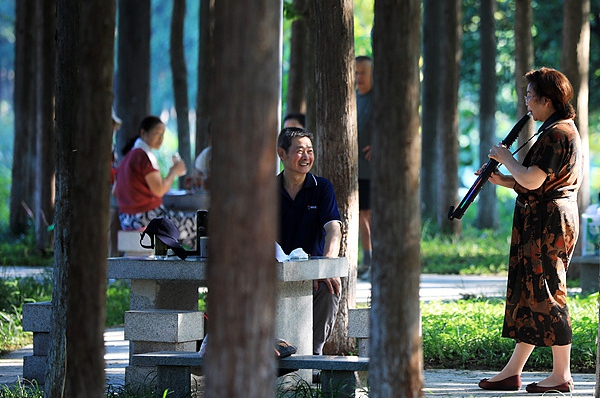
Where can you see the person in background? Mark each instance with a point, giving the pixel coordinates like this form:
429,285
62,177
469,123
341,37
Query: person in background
545,231
364,83
113,218
309,219
139,185
202,164
294,120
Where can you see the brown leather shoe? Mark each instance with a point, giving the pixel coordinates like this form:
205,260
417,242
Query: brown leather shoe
567,386
511,383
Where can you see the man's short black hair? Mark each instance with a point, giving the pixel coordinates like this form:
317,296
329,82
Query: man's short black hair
288,133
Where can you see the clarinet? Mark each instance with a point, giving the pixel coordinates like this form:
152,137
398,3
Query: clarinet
488,169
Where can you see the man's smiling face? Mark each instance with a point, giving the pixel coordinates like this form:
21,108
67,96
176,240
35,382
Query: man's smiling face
300,157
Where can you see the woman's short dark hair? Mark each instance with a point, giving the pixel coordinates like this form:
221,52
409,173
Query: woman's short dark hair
149,122
555,86
287,134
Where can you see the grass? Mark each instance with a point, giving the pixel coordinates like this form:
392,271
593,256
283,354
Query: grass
465,334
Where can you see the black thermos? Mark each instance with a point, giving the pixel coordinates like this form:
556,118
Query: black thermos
202,229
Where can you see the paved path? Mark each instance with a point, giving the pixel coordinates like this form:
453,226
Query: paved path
438,382
448,287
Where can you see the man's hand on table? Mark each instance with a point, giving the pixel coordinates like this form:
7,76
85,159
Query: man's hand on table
333,284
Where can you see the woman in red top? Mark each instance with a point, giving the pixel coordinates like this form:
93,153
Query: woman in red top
139,186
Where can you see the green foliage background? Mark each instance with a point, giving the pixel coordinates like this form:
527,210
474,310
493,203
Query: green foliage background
547,15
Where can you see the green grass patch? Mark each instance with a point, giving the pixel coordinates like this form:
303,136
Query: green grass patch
465,334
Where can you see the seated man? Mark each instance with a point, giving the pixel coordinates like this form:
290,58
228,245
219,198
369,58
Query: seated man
309,219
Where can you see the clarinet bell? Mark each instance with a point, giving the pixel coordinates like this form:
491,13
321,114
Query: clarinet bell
451,213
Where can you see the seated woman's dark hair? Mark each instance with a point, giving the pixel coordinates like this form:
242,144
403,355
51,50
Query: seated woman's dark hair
147,124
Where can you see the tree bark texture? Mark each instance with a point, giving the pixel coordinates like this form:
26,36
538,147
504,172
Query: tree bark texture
575,64
432,37
523,64
203,94
487,214
133,68
395,369
311,87
451,52
180,88
337,140
23,170
85,53
296,93
242,274
45,160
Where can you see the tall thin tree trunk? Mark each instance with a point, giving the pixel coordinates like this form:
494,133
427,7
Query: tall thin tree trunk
523,63
575,64
487,215
23,180
296,95
396,364
133,73
85,53
448,117
203,94
337,139
180,88
241,273
432,15
311,87
44,177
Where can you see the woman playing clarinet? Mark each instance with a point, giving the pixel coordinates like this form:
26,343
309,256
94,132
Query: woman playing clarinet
544,233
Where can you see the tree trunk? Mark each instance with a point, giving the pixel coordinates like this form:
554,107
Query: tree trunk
575,64
180,89
133,73
448,117
241,275
203,94
44,176
396,364
487,214
432,36
296,93
311,87
523,64
85,53
23,180
337,140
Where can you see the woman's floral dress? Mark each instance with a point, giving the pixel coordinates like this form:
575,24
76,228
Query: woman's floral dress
545,230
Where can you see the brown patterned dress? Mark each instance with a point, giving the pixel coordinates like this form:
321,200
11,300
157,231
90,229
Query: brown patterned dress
545,230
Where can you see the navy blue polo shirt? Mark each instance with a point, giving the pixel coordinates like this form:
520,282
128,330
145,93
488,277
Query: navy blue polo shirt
301,220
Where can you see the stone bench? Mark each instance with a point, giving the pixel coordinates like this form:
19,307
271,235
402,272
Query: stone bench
175,370
37,318
128,242
147,330
160,330
359,328
589,268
